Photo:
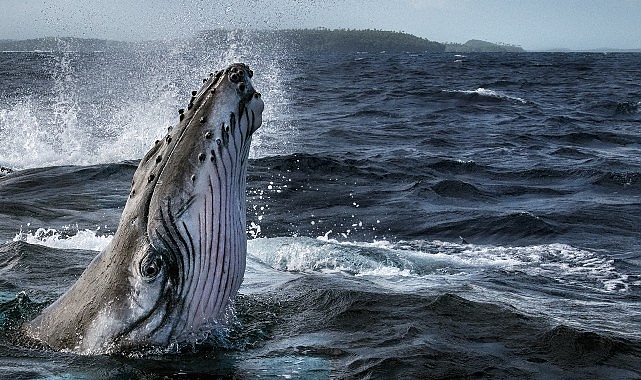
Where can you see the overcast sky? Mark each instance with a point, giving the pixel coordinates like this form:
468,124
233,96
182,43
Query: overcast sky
532,24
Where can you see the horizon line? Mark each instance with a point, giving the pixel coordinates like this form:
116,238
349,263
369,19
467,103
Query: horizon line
550,49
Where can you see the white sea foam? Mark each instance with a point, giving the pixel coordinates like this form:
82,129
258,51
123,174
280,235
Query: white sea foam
426,259
484,92
69,238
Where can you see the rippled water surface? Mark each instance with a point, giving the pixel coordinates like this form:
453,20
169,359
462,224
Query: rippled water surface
409,214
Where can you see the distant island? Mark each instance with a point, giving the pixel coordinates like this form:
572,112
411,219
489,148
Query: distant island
306,40
478,46
62,44
343,40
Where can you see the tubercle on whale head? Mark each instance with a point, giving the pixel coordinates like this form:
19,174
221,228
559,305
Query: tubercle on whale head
178,255
214,124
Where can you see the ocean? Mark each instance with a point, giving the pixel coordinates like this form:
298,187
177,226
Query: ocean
430,215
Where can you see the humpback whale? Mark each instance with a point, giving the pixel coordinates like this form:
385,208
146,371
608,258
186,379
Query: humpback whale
178,255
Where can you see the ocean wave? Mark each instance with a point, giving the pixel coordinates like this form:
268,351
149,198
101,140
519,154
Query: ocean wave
297,286
626,180
68,238
458,166
506,227
309,163
617,109
340,319
330,326
627,108
558,262
572,153
484,94
519,190
459,189
322,167
416,258
56,192
584,139
431,260
570,344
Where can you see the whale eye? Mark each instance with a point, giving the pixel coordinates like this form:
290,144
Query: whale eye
151,266
151,270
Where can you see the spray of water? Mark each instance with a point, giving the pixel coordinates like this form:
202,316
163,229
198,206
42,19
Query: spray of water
102,107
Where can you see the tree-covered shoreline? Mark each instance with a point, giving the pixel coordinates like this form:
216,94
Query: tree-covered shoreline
307,40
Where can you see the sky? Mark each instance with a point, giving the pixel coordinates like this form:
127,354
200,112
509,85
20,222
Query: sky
533,25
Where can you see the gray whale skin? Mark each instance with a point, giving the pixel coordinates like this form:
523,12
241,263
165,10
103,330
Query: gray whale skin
178,255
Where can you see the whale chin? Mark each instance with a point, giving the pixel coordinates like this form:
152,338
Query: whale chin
178,255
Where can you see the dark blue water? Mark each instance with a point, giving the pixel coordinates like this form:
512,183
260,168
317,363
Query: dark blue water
410,215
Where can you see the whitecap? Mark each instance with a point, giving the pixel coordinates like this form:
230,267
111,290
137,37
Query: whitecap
488,93
69,238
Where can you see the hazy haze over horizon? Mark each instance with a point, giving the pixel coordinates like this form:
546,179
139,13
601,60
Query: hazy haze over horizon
546,24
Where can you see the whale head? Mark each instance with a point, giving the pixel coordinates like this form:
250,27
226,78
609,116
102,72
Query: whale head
178,255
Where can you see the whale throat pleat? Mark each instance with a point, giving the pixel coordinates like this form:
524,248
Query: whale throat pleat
211,239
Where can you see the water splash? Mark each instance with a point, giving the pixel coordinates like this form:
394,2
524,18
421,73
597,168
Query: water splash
103,107
485,93
431,262
69,238
44,130
267,58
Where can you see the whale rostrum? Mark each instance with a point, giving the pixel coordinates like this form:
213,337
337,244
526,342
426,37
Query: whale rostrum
178,255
